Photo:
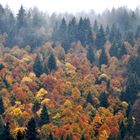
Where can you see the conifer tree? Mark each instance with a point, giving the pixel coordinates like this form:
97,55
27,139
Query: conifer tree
44,116
100,38
103,58
52,62
6,133
1,106
90,55
31,133
37,67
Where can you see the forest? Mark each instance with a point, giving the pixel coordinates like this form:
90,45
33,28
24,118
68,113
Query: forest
69,77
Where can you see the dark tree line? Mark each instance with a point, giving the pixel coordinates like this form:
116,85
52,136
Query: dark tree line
32,27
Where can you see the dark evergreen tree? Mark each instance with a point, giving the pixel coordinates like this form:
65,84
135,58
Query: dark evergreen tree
50,137
82,137
90,99
1,66
80,31
69,137
19,135
21,18
31,133
52,62
128,110
1,106
62,137
103,100
103,58
122,131
129,36
95,27
107,32
62,34
36,106
90,55
72,30
115,34
6,133
137,35
37,67
88,36
44,116
100,38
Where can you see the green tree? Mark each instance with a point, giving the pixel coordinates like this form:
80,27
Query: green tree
95,27
52,62
21,18
6,133
19,135
31,133
37,67
90,99
1,106
69,137
50,137
72,30
100,38
44,116
36,106
103,58
103,99
90,55
82,137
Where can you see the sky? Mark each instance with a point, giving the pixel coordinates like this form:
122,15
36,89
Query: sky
70,6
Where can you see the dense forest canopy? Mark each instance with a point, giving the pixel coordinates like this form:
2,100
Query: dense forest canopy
69,77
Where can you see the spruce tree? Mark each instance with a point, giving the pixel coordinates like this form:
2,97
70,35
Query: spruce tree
44,116
100,38
90,55
90,99
50,137
72,30
69,137
6,133
37,67
36,106
82,137
1,66
31,133
1,106
103,99
103,58
52,62
19,135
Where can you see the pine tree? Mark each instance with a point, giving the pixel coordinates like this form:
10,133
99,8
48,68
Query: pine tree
69,137
103,58
90,99
52,62
44,116
122,130
103,99
21,18
31,133
50,137
82,137
36,106
1,66
1,106
72,30
37,67
100,38
19,135
90,55
95,27
6,133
